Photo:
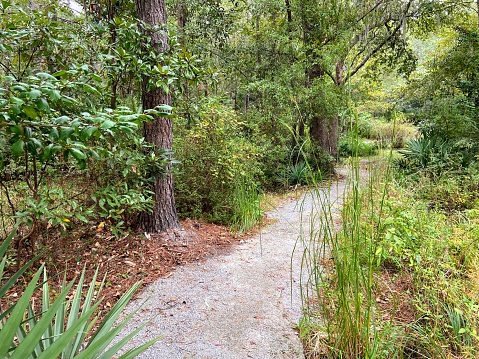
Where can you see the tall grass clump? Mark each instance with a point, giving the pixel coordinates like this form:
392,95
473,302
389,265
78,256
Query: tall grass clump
393,274
340,261
246,207
341,318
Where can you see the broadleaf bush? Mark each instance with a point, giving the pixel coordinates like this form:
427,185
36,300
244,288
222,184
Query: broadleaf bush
49,140
215,157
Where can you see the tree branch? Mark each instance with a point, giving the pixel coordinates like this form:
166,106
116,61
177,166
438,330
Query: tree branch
7,69
9,200
379,46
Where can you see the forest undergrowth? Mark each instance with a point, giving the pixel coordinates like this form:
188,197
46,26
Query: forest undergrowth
399,278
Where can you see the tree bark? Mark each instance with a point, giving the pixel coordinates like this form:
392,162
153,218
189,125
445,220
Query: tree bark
182,18
289,17
159,131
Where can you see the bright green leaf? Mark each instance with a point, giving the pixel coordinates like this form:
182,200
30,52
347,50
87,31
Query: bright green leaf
56,149
54,134
30,112
77,154
46,154
107,124
19,88
62,74
44,75
34,94
37,143
17,148
96,77
90,89
81,164
17,129
42,104
62,119
54,95
88,132
16,100
66,132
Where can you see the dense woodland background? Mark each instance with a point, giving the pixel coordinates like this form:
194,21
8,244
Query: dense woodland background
107,106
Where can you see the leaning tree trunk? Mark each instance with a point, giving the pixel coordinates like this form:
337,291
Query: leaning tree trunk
160,131
324,130
324,133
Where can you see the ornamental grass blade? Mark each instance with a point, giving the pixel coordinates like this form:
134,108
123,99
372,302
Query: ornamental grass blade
114,313
55,349
16,317
75,306
27,346
94,349
115,348
48,334
31,320
13,279
133,353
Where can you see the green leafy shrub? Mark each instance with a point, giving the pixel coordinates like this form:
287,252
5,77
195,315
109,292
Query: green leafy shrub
49,140
214,158
437,155
353,146
293,175
61,327
393,133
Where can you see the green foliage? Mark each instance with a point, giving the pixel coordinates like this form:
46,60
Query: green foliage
391,231
46,132
422,152
444,105
296,175
395,132
246,207
447,117
214,157
410,238
60,326
436,155
354,146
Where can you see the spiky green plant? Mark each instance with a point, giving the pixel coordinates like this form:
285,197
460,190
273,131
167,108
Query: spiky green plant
61,328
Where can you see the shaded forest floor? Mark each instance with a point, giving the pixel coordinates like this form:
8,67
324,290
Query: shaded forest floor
128,259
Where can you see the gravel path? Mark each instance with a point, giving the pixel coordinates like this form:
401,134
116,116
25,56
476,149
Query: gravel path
244,304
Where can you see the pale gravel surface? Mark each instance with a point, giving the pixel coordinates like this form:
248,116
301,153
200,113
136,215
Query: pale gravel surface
244,304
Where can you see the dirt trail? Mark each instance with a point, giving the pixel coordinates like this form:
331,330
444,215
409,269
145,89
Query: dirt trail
244,304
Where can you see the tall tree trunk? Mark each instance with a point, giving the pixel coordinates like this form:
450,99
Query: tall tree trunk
159,132
181,16
323,131
111,7
289,17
